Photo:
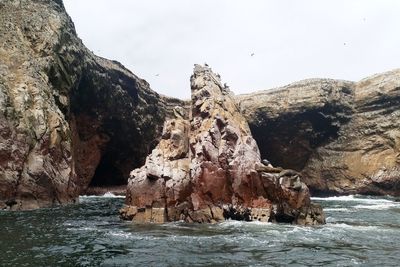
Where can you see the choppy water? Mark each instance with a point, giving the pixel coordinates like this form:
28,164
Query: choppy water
360,231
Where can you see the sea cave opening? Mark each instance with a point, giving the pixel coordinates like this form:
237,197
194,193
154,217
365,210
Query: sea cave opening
107,178
290,141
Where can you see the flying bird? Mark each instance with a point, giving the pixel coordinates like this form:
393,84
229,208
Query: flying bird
157,74
252,54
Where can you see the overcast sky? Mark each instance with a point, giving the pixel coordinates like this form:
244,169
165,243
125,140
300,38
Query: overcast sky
160,40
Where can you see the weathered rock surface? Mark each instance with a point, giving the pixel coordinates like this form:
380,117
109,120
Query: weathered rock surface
66,114
207,168
344,137
70,119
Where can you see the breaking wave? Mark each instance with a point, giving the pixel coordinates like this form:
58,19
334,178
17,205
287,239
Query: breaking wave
106,195
354,198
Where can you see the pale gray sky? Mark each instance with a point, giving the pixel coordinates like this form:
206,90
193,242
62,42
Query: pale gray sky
160,40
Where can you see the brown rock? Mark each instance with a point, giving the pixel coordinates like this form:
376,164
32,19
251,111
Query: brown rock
260,214
208,169
164,180
223,153
65,114
342,136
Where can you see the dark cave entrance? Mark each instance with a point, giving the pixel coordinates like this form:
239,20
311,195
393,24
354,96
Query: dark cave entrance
107,110
290,140
107,174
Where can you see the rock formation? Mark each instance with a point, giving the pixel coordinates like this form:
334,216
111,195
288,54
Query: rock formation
66,114
70,119
207,168
344,137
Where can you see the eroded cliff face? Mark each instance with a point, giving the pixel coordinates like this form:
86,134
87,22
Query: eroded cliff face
66,114
207,168
70,119
344,137
117,120
36,148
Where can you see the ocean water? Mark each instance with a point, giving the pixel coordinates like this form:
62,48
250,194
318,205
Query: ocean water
360,231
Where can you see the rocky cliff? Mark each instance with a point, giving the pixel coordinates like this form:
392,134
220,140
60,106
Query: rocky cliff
344,137
70,119
67,117
207,168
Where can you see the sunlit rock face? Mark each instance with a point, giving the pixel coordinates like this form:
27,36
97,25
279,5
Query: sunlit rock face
344,137
207,168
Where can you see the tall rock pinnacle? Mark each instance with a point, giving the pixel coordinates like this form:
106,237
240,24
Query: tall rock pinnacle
207,168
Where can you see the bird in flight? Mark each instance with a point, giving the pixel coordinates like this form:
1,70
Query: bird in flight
252,54
157,74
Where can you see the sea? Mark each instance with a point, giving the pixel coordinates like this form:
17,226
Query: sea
360,231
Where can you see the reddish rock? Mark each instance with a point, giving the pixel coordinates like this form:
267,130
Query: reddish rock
223,153
208,169
164,180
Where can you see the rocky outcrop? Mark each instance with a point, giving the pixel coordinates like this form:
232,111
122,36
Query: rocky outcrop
207,168
344,137
66,114
70,119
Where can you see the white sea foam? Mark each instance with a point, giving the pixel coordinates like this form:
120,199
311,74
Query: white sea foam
354,227
87,228
337,209
120,234
234,223
106,195
111,195
353,199
230,223
385,206
339,198
355,262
